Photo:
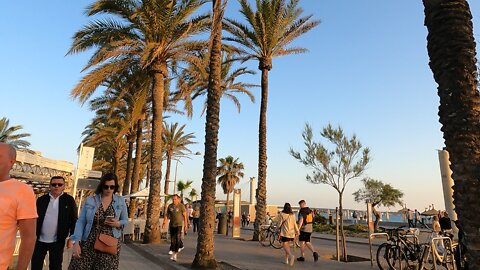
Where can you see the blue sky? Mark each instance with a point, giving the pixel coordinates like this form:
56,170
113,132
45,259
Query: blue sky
367,70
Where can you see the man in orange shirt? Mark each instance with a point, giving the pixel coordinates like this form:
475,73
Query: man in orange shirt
17,210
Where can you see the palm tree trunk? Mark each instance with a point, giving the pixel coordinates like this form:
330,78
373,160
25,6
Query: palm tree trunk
152,228
167,181
451,47
261,192
136,168
128,173
205,257
116,165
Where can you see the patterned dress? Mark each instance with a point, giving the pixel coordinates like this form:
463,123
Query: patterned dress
91,259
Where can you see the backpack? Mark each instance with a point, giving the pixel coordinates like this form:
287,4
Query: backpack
309,218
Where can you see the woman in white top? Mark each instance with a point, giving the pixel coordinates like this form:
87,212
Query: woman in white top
288,231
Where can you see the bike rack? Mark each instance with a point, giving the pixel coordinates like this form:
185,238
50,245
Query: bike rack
373,236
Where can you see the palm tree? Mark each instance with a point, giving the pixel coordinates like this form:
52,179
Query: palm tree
152,34
193,194
451,47
193,80
229,171
268,33
182,187
7,134
204,257
175,145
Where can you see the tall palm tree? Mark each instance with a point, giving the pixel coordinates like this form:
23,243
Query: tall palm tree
451,47
204,257
153,34
175,145
7,134
182,187
193,80
268,33
230,171
193,194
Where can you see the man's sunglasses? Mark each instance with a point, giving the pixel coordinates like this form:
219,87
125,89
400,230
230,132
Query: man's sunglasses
56,184
106,187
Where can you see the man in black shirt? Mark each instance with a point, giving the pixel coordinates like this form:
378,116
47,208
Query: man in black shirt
305,223
445,222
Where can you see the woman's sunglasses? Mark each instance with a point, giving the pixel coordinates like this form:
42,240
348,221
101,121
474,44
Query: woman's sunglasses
106,187
56,184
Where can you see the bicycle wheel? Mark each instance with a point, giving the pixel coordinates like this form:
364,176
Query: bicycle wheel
396,258
382,256
263,238
275,241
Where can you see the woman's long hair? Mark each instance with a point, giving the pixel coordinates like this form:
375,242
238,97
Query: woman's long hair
287,209
107,177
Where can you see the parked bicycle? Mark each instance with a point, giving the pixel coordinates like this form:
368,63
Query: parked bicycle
439,253
276,241
266,232
401,251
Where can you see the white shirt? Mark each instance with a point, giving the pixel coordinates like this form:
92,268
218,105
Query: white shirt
48,233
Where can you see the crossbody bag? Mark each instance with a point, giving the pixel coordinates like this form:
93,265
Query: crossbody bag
104,242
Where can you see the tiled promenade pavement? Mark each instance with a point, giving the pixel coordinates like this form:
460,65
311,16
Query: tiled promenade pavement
129,260
247,255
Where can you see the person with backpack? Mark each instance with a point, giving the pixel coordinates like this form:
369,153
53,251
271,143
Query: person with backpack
305,223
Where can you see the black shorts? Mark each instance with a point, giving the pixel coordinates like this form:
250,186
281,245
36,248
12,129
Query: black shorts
304,236
286,239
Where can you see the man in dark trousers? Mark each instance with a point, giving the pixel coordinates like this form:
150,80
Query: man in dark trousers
57,214
177,214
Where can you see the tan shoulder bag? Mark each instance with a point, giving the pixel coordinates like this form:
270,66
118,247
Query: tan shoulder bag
104,242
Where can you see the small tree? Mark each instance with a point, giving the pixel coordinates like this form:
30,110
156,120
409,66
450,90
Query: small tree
335,168
378,193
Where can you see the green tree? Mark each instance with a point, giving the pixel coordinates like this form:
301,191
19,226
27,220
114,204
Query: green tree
229,172
175,145
193,194
182,187
204,257
451,47
336,167
7,134
268,33
378,194
149,33
193,80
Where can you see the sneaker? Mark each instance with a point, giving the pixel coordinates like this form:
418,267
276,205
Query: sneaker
292,260
170,252
174,257
301,259
315,256
286,260
180,249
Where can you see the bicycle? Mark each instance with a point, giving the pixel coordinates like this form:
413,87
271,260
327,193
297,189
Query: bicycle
401,251
439,254
276,241
266,231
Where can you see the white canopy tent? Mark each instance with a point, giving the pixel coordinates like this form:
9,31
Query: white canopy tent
142,194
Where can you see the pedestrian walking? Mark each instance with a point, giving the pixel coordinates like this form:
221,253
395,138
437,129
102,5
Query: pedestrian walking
305,223
288,231
417,217
96,244
196,217
244,219
190,215
17,211
248,219
177,215
410,218
57,214
354,217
